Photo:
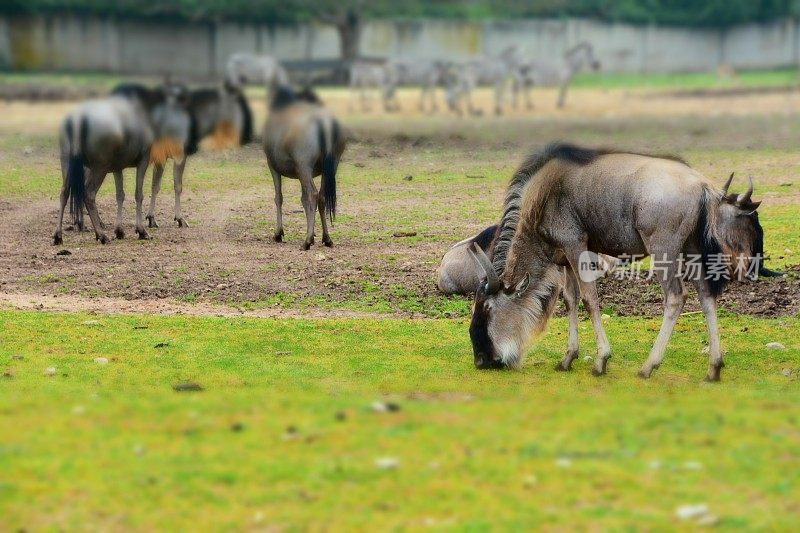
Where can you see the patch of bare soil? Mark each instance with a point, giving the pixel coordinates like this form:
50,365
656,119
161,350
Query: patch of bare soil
768,297
724,92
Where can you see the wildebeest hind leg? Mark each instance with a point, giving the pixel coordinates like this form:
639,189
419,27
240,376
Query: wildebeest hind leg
118,184
326,238
63,199
177,176
709,305
310,197
158,172
140,172
276,181
96,178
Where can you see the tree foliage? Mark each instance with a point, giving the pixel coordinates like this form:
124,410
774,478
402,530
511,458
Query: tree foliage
713,13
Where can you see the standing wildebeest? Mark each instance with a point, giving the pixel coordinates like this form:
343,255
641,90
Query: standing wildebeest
534,72
568,200
458,273
303,140
248,69
223,112
493,71
110,135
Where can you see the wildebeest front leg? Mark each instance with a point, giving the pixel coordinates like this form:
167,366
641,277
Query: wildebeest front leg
310,200
140,172
709,305
276,181
119,232
94,182
588,291
177,176
58,236
571,299
674,300
158,173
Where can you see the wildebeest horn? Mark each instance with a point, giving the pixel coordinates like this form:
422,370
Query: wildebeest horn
727,184
744,198
492,281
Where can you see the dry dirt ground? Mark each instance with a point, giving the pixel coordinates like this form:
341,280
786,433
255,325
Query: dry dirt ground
226,262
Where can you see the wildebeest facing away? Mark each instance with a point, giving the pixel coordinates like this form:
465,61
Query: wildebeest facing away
222,112
303,140
248,69
109,135
568,200
458,273
544,73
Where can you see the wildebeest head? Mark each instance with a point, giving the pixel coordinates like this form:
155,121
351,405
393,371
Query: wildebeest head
506,315
741,232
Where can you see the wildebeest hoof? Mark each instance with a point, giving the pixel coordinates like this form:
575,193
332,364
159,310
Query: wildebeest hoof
181,222
644,374
327,241
561,367
151,222
306,245
712,378
119,233
143,235
57,239
598,371
103,238
278,237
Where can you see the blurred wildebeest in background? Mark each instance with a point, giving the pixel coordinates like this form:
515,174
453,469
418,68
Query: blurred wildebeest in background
366,75
458,273
222,112
111,134
566,202
544,73
388,76
495,71
302,140
251,69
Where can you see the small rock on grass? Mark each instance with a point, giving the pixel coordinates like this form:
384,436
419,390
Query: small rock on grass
91,322
101,360
408,178
788,372
688,512
8,373
385,407
187,386
162,344
387,463
63,252
775,346
50,371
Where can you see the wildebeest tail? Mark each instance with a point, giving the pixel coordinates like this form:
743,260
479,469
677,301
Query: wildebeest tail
246,133
715,268
328,143
76,186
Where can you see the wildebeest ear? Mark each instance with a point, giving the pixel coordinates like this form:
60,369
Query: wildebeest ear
522,285
748,208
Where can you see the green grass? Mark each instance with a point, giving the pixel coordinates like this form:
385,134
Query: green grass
693,80
113,447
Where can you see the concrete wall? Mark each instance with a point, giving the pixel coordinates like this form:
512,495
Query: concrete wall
200,50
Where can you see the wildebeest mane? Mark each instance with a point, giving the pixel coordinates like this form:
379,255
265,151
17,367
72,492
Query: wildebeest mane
562,151
147,96
283,96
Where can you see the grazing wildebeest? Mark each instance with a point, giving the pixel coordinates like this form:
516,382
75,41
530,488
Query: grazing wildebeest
248,69
109,135
543,73
303,140
222,112
493,71
566,202
458,273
